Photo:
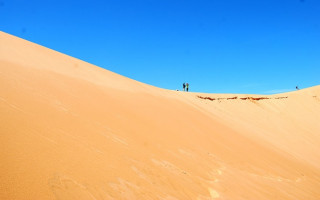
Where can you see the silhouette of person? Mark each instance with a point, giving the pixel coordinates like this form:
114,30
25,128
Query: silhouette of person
184,86
187,86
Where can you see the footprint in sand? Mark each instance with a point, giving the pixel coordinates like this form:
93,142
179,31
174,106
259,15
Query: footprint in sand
65,188
214,194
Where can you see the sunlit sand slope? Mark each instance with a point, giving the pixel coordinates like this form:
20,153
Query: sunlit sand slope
71,130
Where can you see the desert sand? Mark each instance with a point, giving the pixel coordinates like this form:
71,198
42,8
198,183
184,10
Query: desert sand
72,130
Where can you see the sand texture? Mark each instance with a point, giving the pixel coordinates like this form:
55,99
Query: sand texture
72,130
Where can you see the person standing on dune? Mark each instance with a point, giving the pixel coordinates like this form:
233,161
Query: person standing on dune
187,86
184,86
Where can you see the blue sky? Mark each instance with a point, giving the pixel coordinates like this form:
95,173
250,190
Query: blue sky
226,46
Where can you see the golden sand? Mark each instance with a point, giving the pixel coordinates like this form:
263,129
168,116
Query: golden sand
71,130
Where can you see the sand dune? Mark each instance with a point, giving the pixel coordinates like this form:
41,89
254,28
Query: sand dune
71,130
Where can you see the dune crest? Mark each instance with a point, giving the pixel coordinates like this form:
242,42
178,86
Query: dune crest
71,130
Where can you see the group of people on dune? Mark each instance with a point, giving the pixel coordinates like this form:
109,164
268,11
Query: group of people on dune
185,87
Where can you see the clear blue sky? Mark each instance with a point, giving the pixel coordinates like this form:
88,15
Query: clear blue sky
226,46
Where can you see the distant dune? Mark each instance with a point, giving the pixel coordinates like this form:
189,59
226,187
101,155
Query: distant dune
71,130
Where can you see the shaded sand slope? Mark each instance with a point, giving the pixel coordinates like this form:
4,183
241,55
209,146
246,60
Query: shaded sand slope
71,130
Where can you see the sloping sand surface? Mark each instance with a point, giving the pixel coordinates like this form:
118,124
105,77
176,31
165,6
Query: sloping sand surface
71,130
